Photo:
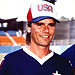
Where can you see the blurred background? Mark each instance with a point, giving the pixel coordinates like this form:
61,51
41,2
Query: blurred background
13,25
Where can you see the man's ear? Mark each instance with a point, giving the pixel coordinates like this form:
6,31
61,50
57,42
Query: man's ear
28,29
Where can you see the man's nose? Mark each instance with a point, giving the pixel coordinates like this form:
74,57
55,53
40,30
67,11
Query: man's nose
46,29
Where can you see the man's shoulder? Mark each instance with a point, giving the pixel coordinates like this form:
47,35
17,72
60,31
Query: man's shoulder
14,54
69,53
60,59
70,50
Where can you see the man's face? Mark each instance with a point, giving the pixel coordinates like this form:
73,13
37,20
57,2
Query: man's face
42,32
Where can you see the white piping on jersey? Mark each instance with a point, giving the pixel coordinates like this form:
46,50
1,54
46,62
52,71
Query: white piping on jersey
41,61
1,61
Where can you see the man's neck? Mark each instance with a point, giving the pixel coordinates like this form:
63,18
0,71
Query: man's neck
40,51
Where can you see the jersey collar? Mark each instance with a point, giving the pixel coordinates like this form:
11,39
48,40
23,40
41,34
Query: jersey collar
41,61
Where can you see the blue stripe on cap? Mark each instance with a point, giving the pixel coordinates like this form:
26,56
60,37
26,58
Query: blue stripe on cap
41,18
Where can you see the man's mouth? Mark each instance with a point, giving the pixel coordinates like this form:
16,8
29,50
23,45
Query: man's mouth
45,36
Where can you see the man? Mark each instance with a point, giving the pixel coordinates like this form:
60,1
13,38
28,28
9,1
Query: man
70,55
36,58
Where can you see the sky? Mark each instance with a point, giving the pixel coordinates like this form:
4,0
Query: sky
18,8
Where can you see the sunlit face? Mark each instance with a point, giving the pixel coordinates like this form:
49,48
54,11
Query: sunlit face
42,32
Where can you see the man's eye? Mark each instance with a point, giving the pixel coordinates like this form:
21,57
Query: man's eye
39,24
52,24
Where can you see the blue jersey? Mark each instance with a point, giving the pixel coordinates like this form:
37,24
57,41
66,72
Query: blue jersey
20,63
70,55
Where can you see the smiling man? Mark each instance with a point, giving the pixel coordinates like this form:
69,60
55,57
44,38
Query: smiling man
41,36
36,58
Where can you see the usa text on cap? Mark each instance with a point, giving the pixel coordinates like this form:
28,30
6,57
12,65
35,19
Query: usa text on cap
40,11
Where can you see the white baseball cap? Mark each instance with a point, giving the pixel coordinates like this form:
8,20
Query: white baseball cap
41,10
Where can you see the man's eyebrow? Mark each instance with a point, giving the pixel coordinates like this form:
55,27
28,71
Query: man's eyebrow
52,23
39,23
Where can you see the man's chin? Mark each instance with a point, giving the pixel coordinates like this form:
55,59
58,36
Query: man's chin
44,44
